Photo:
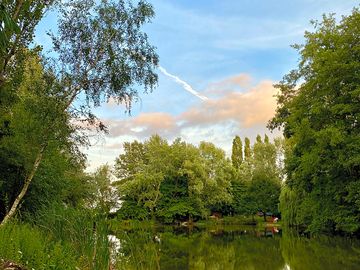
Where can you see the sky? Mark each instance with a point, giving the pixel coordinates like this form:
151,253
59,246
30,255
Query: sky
218,63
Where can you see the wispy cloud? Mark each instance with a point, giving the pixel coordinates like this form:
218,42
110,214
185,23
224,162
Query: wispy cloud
184,84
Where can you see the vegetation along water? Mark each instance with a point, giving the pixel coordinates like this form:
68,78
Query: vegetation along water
291,202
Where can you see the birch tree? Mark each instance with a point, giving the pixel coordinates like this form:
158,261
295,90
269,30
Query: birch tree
102,53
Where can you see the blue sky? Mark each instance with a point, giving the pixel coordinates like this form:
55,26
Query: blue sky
229,51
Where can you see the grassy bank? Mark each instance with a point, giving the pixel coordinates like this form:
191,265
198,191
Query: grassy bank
33,248
64,239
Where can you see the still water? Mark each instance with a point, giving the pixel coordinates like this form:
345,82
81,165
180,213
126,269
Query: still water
231,248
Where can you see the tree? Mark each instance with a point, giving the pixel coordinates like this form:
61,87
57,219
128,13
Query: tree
142,184
247,150
218,174
264,158
258,139
173,182
175,203
130,163
263,194
266,139
103,194
102,53
256,185
60,178
7,27
19,19
237,155
319,113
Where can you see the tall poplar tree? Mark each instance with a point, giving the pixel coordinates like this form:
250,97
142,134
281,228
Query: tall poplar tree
237,152
247,150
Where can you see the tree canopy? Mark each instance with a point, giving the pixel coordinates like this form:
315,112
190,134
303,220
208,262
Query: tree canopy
179,181
318,110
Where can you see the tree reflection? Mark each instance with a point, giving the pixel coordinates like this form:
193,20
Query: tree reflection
330,253
229,248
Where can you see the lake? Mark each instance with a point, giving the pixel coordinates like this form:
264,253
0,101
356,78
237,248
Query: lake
231,247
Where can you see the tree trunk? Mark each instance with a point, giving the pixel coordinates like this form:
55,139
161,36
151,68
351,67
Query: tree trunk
37,162
264,216
25,187
17,9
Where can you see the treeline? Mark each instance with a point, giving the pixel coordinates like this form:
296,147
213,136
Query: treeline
179,181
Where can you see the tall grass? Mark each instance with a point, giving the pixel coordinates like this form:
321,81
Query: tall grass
85,230
58,238
33,249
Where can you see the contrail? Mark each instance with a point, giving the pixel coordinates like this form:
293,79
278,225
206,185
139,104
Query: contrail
184,84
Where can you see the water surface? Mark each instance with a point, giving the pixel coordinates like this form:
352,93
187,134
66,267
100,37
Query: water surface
232,248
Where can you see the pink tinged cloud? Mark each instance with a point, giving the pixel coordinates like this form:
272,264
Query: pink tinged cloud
247,109
156,120
256,106
144,125
237,82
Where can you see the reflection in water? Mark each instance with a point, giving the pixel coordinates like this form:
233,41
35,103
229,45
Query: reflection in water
232,248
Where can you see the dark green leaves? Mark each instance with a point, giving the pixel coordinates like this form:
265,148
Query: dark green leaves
318,108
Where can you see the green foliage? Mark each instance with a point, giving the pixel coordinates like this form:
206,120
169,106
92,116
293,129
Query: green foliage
61,238
175,203
264,194
85,231
7,27
237,154
34,249
18,20
241,204
131,209
173,182
103,50
181,182
103,195
256,184
247,150
28,127
318,111
101,53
